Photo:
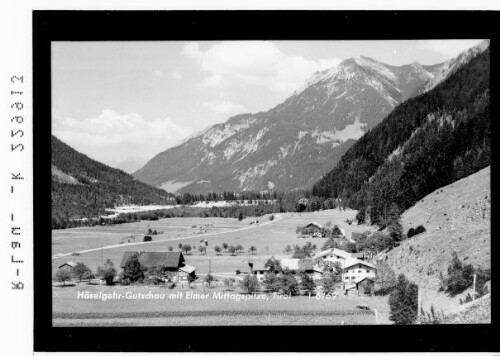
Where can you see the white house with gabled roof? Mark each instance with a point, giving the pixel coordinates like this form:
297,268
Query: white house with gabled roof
355,269
332,255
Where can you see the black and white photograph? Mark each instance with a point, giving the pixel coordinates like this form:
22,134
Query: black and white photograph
270,182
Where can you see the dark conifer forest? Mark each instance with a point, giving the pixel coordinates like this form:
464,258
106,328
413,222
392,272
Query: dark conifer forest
85,188
427,142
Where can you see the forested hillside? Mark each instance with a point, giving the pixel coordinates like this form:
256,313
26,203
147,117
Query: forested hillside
427,142
83,187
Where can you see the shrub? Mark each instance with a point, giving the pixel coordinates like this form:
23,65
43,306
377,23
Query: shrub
385,279
415,231
273,264
431,317
288,284
228,282
186,249
306,282
81,271
403,302
271,218
107,272
225,246
63,275
170,248
208,278
271,282
240,216
250,284
217,250
147,238
305,251
460,276
133,271
328,284
419,229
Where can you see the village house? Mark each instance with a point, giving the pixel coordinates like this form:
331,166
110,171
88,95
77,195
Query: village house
172,263
332,255
258,268
354,269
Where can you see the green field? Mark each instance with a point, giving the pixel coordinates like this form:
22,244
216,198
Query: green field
270,238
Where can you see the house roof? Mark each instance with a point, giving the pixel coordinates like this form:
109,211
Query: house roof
362,278
155,259
71,264
354,261
315,224
334,251
188,269
258,265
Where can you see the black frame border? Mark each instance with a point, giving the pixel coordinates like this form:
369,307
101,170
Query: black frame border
54,25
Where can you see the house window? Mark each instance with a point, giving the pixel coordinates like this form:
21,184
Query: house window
359,271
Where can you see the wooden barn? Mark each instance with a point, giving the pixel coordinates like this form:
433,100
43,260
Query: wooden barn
361,286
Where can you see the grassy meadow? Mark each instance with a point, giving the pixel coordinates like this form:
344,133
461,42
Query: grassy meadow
269,237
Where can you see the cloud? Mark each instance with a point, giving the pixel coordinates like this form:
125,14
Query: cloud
175,75
448,48
223,107
123,132
253,63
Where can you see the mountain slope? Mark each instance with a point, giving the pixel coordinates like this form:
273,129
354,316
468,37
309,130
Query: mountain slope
292,145
458,219
425,143
83,187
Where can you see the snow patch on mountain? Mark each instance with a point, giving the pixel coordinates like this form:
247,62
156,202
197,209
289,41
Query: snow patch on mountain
172,186
352,131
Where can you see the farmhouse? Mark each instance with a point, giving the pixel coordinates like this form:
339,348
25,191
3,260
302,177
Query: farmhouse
258,268
354,269
172,263
332,255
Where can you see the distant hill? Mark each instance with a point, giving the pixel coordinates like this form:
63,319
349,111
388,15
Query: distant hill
130,165
457,218
427,142
83,187
294,144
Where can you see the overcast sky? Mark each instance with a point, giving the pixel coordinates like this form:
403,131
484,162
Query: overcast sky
115,100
